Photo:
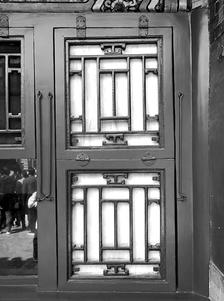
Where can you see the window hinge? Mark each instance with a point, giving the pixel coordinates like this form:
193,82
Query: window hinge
4,25
81,27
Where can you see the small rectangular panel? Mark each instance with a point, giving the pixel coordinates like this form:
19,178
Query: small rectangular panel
136,80
147,139
87,50
138,224
77,194
90,179
123,224
108,224
121,94
141,49
142,179
14,92
144,270
78,225
106,98
116,256
114,126
151,63
75,65
2,94
76,126
115,194
154,256
154,193
91,95
113,64
154,224
76,95
78,256
93,224
89,270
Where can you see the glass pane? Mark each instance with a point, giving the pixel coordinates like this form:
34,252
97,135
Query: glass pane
78,256
114,126
142,179
2,94
14,61
15,123
141,49
18,217
10,47
86,50
136,94
138,224
91,95
121,88
75,65
93,224
152,94
106,100
113,64
154,224
78,225
123,224
14,93
76,95
115,193
108,224
151,63
115,255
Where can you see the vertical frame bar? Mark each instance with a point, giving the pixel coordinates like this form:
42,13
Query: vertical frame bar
98,95
162,225
85,224
146,224
83,97
131,222
100,225
7,91
115,225
144,93
129,93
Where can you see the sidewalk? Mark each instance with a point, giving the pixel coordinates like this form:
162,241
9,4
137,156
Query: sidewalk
16,253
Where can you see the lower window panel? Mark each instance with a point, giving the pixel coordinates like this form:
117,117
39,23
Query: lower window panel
116,224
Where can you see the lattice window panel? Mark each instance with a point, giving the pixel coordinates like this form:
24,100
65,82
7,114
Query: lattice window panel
117,224
114,93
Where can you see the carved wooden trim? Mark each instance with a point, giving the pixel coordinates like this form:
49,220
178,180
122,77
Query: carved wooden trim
4,25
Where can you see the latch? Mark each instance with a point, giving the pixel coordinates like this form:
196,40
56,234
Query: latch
116,270
83,159
148,159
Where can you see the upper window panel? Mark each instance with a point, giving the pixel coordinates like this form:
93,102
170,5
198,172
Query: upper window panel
11,93
113,93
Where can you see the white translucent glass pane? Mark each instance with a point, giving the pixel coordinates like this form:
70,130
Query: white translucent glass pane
78,225
86,50
136,94
75,65
76,95
76,126
85,270
141,49
93,224
152,94
91,179
143,270
151,63
114,126
116,255
141,179
153,224
78,256
77,194
115,193
106,101
91,95
154,193
141,140
108,224
152,125
121,88
123,224
88,140
113,64
154,256
138,224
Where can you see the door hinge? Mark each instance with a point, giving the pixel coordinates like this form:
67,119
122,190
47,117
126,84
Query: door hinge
81,27
4,25
143,26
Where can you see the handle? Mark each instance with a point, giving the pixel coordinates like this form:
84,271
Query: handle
181,196
42,196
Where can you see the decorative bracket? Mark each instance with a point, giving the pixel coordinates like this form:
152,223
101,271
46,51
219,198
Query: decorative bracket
115,139
116,270
4,26
81,27
115,178
113,48
143,26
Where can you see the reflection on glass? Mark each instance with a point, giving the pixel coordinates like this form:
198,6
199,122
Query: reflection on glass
18,217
